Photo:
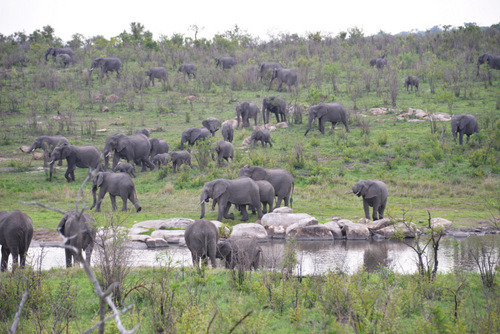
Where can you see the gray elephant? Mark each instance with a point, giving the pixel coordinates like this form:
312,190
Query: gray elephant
224,150
262,135
16,231
77,156
192,135
117,184
188,69
463,124
373,62
327,112
277,106
266,66
134,148
108,64
158,146
281,179
227,131
160,159
284,75
77,228
47,144
266,194
242,191
245,111
492,61
64,59
201,239
212,124
411,81
381,62
125,167
180,157
143,131
159,73
225,62
242,254
374,194
54,52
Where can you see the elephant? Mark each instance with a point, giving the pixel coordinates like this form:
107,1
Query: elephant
180,157
242,191
242,254
463,124
160,159
77,156
143,131
201,239
117,184
134,148
281,179
106,65
77,228
245,111
266,194
159,73
125,167
266,66
373,62
276,105
381,62
192,135
492,60
284,75
54,52
225,62
227,131
327,112
158,146
411,81
64,59
47,144
374,194
212,124
188,69
16,231
261,135
224,150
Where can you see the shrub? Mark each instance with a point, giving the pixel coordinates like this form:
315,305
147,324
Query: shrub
382,139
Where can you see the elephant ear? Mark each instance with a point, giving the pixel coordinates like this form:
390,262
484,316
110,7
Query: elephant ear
320,111
371,190
122,143
62,223
258,173
224,248
219,189
99,179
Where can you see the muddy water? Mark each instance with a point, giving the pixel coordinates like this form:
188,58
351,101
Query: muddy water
314,257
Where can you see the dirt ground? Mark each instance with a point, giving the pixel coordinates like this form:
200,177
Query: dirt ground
44,234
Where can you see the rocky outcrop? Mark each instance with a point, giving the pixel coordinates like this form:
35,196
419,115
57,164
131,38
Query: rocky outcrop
276,223
311,232
249,231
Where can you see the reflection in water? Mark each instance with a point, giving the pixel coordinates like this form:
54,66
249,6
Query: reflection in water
315,257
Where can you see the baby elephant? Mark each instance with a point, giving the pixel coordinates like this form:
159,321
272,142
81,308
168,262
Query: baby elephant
261,135
125,167
160,159
180,157
117,184
411,82
374,194
72,224
241,254
224,150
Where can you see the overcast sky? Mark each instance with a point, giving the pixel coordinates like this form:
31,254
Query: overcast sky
259,18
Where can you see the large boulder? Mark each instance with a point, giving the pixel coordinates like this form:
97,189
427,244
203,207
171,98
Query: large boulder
302,223
355,231
335,229
163,224
311,232
171,236
283,209
274,222
379,224
156,243
249,231
440,222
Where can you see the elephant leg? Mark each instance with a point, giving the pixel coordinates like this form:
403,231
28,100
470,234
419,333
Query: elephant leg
468,137
244,212
5,258
270,144
22,258
113,202
224,209
376,206
69,257
285,199
366,207
100,197
263,142
195,258
204,260
381,210
15,258
461,140
320,126
134,201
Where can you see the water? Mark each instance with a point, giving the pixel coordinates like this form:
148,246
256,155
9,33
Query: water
315,257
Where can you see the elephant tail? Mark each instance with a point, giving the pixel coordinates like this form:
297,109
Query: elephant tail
291,195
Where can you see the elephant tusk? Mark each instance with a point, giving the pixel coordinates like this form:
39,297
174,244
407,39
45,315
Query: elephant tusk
108,154
51,162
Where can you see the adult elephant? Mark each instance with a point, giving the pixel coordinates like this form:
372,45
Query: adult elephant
201,239
227,131
54,52
134,148
492,61
158,146
192,135
463,124
225,62
281,179
159,73
76,156
47,144
381,62
212,124
262,135
77,228
242,254
242,191
284,75
143,131
224,150
16,231
117,184
64,59
266,67
245,111
179,158
327,112
411,81
107,64
374,193
188,69
277,106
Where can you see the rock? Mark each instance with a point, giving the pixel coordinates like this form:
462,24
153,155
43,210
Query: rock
282,219
249,231
334,229
440,222
378,224
156,243
137,230
162,224
167,234
38,156
105,109
439,116
23,149
283,209
259,127
356,232
459,234
101,130
344,222
112,98
302,223
282,125
378,111
364,221
276,232
384,233
136,245
246,141
270,127
311,232
138,237
217,223
419,113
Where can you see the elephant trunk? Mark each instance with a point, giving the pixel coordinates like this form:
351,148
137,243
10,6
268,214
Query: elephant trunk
311,119
202,209
32,147
51,163
94,190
